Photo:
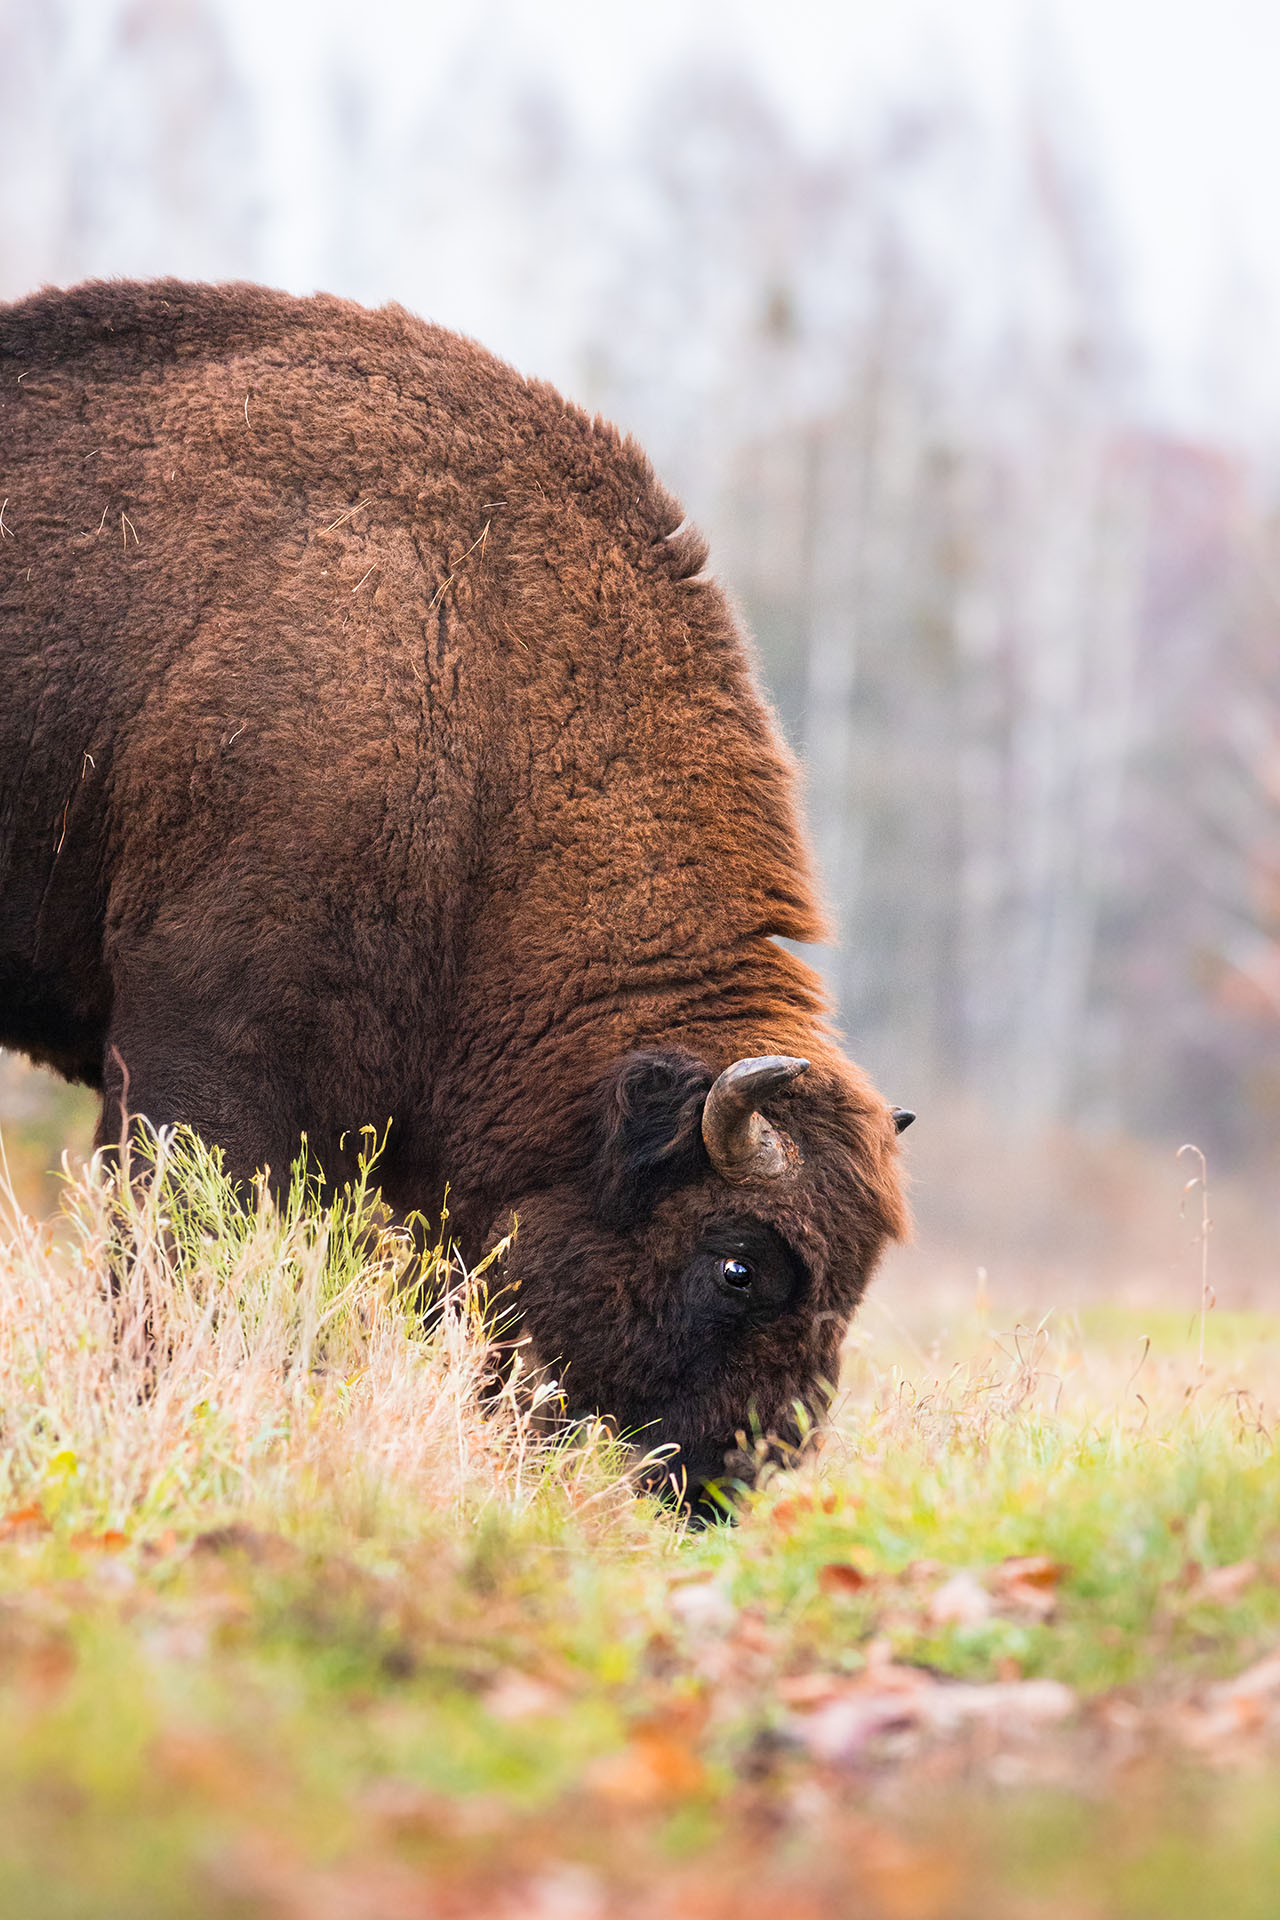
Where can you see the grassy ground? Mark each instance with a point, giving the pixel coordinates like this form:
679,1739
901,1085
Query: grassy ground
288,1627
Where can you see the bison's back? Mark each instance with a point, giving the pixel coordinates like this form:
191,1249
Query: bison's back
226,614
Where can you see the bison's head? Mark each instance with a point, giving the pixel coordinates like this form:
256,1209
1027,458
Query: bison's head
696,1276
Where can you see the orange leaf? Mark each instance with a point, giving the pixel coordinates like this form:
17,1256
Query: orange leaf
841,1577
653,1768
1031,1570
23,1518
112,1541
787,1512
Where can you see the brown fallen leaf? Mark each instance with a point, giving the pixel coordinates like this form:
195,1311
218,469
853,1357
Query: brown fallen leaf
961,1601
1222,1585
915,1703
1010,1705
840,1730
918,1573
112,1541
842,1577
1222,1719
1028,1583
1031,1570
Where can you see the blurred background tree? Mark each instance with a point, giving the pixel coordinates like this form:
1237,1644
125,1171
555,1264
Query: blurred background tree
1020,628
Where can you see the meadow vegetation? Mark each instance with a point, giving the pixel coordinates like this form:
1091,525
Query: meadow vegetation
298,1616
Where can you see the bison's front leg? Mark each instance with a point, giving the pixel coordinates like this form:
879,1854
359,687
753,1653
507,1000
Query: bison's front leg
177,1062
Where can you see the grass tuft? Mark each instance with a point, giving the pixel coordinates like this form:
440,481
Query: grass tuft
188,1356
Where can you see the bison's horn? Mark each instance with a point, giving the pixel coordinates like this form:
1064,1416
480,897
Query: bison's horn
902,1118
740,1141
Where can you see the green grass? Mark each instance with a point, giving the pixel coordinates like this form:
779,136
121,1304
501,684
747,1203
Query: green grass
288,1625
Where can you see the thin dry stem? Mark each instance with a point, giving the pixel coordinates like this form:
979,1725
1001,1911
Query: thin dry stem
1201,1180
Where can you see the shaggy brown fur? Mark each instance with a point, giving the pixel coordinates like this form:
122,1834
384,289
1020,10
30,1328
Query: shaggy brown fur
371,744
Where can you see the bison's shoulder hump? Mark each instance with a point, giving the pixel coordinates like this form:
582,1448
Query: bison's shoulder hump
159,320
109,329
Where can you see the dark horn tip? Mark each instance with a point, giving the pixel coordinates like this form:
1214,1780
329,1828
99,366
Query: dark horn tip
764,1071
902,1117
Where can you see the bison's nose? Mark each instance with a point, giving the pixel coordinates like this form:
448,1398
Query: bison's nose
704,1480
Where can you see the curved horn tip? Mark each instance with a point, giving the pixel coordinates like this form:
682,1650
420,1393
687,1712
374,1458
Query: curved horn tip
902,1118
739,1140
764,1070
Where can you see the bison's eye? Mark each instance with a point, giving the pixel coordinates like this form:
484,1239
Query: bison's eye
736,1274
744,1272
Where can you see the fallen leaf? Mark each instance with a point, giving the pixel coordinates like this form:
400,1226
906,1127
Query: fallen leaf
1031,1570
1010,1704
1225,1584
918,1573
653,1767
961,1601
787,1512
840,1730
1247,1704
908,1700
842,1577
112,1541
1028,1583
29,1519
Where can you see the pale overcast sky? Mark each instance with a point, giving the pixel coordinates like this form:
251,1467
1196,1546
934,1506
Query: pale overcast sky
1175,100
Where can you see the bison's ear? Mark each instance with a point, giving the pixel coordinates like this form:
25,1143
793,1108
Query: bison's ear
649,1132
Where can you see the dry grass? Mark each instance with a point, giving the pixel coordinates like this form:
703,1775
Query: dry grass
167,1355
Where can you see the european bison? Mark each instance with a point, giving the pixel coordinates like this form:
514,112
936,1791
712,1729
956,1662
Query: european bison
372,743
